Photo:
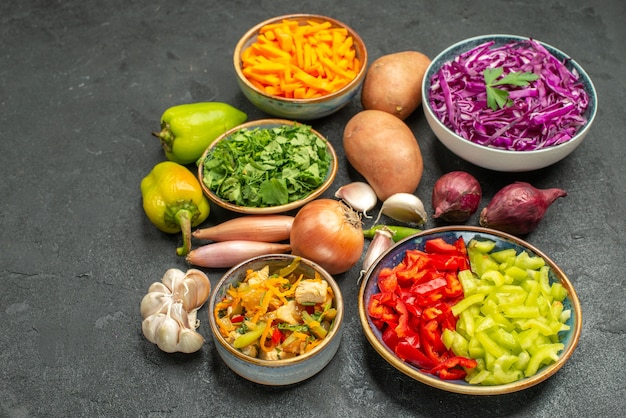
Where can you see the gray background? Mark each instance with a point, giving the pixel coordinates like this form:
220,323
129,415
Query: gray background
82,85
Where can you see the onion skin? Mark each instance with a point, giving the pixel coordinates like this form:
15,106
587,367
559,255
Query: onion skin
264,228
518,208
329,233
456,196
226,254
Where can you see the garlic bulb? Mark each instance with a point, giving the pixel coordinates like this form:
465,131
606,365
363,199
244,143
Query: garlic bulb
169,310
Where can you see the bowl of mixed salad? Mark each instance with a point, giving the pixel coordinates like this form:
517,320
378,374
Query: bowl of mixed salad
276,319
470,310
267,166
508,103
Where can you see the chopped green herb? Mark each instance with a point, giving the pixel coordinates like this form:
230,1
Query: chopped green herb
267,167
499,98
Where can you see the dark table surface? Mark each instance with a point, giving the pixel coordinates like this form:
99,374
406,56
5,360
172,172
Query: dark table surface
82,85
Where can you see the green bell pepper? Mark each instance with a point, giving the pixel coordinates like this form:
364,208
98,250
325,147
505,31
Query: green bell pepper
187,130
173,201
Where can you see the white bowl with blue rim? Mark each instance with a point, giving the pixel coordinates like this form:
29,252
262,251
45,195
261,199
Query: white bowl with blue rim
495,158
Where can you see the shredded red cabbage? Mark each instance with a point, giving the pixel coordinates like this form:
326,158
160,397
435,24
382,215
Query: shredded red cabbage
548,112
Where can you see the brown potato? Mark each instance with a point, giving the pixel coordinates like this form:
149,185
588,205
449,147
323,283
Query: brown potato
383,149
393,83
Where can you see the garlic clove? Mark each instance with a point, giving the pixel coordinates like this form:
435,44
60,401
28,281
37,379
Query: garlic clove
167,335
358,195
154,302
178,314
383,239
150,325
404,207
172,277
193,291
159,287
190,341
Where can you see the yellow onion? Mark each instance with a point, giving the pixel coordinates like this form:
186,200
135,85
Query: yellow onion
329,233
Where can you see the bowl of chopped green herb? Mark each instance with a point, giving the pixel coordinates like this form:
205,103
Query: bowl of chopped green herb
267,166
508,103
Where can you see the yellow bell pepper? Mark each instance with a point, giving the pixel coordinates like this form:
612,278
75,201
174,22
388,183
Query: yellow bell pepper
173,201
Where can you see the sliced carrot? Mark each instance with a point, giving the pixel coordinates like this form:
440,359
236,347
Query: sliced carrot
295,60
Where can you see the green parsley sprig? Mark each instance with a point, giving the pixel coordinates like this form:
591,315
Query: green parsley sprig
499,98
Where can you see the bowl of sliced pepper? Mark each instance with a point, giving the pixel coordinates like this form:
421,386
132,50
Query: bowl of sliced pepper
300,66
276,319
470,310
267,166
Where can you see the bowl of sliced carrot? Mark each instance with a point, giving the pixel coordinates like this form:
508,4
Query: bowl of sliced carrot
300,66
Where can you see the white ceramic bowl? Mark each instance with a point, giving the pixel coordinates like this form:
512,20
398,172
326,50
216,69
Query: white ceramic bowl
267,124
277,372
393,256
499,159
299,109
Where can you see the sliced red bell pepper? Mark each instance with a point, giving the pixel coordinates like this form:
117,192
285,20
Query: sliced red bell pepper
413,355
387,282
453,287
277,336
440,246
403,319
453,368
414,304
390,338
435,284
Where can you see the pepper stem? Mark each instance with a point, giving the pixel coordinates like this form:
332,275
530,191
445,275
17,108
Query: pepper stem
183,217
166,137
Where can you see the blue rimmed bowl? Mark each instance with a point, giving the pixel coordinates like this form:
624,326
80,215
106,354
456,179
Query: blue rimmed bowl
494,158
394,256
277,372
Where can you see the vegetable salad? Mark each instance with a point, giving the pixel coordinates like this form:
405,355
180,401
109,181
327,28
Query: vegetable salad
275,316
488,317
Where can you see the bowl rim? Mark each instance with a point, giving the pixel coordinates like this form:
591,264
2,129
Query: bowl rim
359,46
335,332
581,133
462,387
260,123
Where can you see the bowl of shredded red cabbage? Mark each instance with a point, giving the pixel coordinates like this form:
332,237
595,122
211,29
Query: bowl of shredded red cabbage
507,102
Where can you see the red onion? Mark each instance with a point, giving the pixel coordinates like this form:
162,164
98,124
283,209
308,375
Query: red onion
456,196
518,208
